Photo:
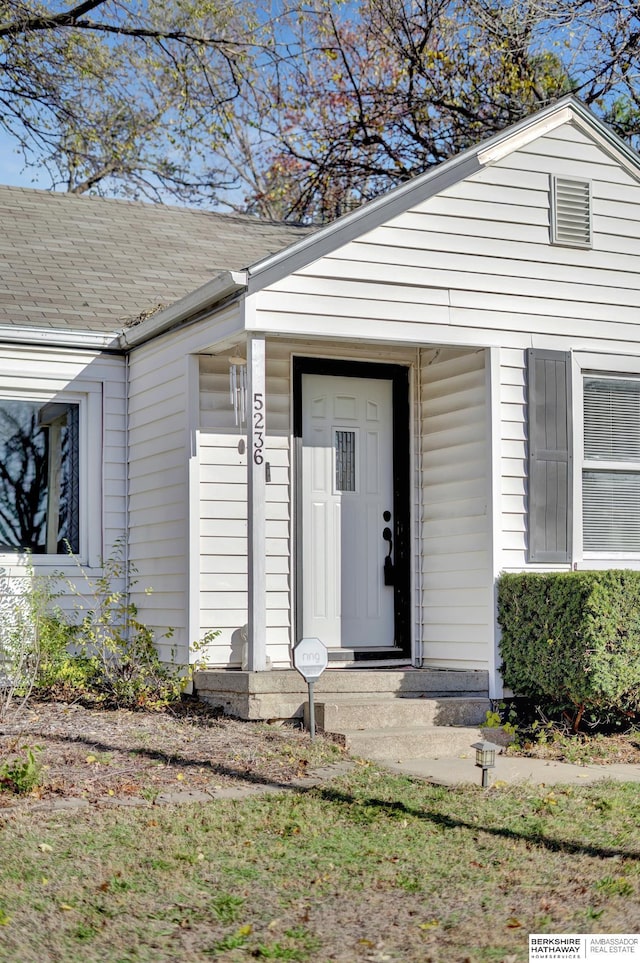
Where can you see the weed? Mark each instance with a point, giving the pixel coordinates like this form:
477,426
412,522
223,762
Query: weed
611,886
227,907
22,774
593,914
84,931
234,941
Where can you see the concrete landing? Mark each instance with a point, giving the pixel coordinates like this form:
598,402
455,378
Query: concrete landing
282,693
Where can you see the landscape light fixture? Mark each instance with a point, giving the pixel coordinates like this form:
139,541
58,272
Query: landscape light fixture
485,758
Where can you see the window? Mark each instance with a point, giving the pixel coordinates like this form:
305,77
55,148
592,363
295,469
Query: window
39,477
611,469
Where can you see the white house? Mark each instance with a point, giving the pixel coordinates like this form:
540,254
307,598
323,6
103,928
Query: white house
441,385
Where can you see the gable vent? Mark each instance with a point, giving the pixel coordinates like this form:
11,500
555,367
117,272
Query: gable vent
571,212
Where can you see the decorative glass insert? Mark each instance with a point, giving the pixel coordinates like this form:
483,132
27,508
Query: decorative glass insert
39,477
345,445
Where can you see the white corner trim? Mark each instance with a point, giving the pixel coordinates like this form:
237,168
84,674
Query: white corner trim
256,501
577,416
221,286
493,375
535,129
192,454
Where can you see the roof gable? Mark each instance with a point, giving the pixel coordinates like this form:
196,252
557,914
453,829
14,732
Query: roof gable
397,201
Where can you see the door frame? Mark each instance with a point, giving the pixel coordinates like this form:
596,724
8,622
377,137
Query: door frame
402,494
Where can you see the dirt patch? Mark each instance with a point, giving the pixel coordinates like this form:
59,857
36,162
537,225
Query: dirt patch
583,749
95,753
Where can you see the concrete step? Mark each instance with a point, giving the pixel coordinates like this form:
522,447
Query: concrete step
281,693
415,742
386,712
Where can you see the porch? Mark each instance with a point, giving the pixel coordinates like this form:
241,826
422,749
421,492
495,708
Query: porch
296,541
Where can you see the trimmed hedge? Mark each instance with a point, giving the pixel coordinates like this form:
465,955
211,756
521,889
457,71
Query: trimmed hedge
572,639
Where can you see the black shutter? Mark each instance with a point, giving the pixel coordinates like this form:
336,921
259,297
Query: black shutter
550,456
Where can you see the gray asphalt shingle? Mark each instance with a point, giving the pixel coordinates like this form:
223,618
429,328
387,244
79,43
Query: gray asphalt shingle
94,264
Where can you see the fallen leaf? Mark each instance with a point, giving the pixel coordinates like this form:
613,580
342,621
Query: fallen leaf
513,923
65,907
245,930
91,758
431,925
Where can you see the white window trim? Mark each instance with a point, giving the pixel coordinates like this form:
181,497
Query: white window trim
90,432
602,365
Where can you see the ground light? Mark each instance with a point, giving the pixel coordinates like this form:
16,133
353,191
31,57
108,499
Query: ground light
485,758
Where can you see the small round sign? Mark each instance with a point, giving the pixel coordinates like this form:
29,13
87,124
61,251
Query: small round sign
310,658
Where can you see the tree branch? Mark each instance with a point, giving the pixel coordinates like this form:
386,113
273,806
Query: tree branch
67,18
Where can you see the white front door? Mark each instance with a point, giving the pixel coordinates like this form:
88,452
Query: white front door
347,486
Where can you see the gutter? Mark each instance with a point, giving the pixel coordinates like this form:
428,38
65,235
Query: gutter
222,286
59,337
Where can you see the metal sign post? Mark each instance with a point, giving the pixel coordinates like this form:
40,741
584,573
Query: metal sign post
310,659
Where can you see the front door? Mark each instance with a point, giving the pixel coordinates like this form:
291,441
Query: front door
347,503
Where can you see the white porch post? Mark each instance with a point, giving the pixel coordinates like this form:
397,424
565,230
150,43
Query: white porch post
256,480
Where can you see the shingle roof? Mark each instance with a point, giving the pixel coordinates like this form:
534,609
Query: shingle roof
92,264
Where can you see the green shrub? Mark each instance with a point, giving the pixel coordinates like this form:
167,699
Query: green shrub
571,640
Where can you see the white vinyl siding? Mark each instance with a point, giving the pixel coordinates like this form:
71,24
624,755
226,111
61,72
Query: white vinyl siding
457,628
611,467
223,512
161,458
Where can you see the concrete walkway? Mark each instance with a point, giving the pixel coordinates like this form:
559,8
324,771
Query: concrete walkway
454,770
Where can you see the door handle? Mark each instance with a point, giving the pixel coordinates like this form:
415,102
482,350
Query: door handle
389,573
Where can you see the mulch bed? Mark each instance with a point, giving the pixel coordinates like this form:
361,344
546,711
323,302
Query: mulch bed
94,753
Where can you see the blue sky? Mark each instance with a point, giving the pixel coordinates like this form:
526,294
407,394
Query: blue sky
11,167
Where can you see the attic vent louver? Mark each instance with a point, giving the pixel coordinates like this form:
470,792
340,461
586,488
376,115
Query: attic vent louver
571,212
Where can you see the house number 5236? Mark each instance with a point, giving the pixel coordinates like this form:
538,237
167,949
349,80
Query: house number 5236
258,428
